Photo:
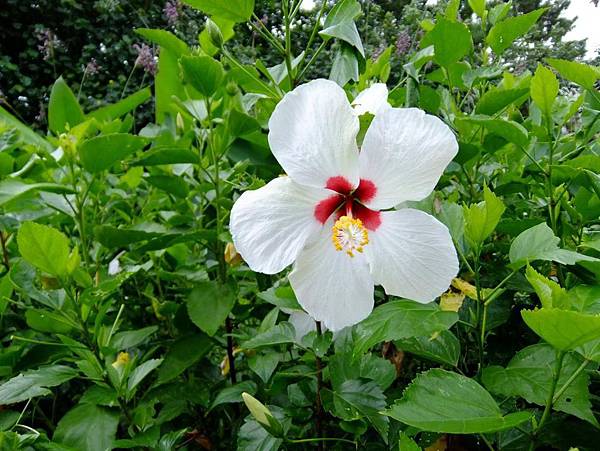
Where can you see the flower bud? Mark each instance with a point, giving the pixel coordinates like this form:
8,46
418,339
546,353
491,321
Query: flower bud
232,257
121,361
179,122
214,33
262,415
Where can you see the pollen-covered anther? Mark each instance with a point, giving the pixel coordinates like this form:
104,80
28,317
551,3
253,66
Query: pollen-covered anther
349,235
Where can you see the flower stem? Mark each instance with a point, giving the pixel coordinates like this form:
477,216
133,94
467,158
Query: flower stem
318,401
550,400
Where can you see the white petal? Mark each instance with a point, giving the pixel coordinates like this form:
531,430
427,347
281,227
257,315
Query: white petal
270,225
312,133
404,153
302,323
372,100
412,255
114,267
331,286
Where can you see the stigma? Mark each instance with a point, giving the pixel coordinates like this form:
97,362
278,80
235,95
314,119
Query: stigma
349,235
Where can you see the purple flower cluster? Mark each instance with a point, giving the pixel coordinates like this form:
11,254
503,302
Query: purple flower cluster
92,67
48,43
171,11
145,58
403,43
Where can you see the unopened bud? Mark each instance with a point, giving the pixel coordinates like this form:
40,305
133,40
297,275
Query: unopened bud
232,257
214,34
68,143
179,122
263,415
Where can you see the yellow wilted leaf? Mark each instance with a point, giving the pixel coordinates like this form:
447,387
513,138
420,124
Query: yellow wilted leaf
451,302
232,257
224,365
441,444
465,287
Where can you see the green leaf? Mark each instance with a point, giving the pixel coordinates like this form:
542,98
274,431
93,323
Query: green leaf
167,84
172,184
233,394
563,329
88,427
340,24
63,109
549,292
407,444
116,110
183,353
165,39
509,130
482,218
401,319
499,12
254,437
539,243
159,155
140,373
544,89
344,366
44,247
208,304
502,34
442,401
234,10
579,73
496,99
478,7
451,41
282,333
345,66
355,399
529,375
26,134
11,189
47,321
131,338
101,152
204,73
282,297
442,348
34,383
113,237
264,364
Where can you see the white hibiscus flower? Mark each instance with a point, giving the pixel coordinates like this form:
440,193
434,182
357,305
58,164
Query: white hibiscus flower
327,215
372,100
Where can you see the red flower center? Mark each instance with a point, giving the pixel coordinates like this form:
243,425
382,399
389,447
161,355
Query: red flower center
347,202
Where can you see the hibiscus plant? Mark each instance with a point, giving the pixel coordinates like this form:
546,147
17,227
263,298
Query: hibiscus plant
375,260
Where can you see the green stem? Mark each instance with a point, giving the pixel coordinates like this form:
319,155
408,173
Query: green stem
569,381
320,439
312,60
240,66
550,399
318,400
288,43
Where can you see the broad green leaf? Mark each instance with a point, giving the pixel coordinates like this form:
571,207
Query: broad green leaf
496,99
140,372
130,338
579,73
401,319
166,155
48,321
165,39
208,304
282,297
407,444
499,12
101,152
167,85
233,394
264,364
204,73
25,133
182,354
563,329
509,130
254,437
544,89
344,366
345,66
112,237
452,10
451,41
529,375
116,110
44,247
355,399
539,243
282,333
482,218
35,383
442,401
11,189
172,184
63,109
549,292
234,10
478,7
442,348
88,427
502,34
340,24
